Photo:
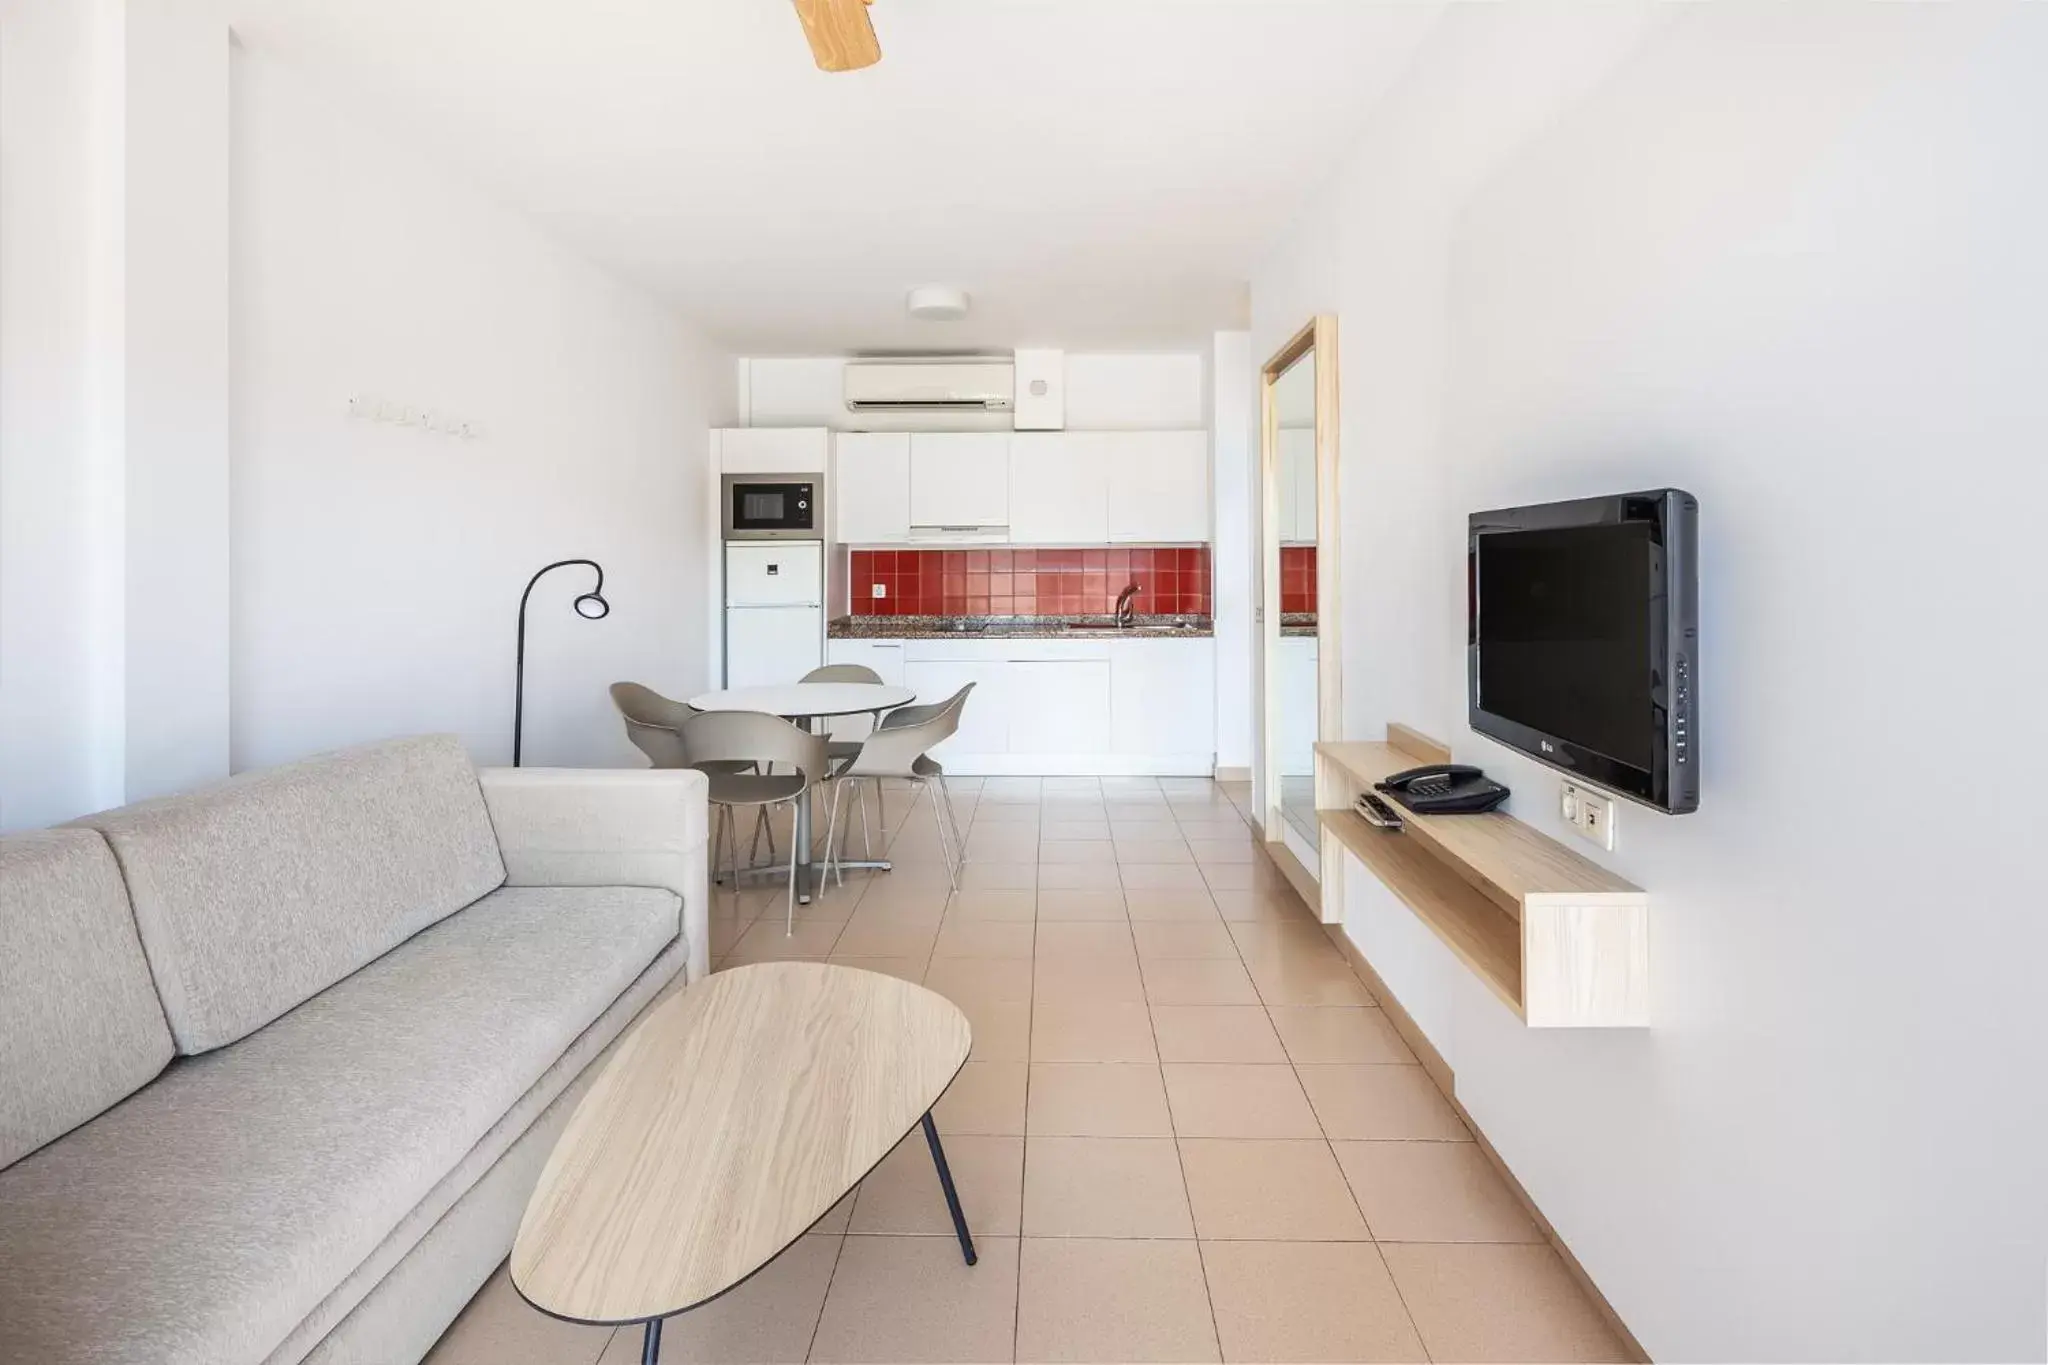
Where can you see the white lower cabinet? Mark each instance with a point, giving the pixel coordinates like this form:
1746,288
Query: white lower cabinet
1100,707
883,656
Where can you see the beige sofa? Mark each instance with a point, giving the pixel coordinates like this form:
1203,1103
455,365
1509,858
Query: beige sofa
280,1060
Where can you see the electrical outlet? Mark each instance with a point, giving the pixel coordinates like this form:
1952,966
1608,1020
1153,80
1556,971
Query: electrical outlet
1590,814
878,590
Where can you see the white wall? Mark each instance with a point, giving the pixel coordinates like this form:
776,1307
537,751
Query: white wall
1788,258
1105,392
1233,409
377,569
113,402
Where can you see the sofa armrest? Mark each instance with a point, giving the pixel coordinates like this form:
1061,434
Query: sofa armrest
608,827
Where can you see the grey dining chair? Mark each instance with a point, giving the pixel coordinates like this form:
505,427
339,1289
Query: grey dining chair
902,749
654,724
733,737
842,751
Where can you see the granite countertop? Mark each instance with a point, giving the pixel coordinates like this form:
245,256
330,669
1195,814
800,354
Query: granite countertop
1019,628
1298,625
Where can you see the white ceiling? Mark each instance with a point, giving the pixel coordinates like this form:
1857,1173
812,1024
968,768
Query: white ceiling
1096,173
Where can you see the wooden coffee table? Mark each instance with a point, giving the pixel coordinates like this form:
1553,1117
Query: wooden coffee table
731,1119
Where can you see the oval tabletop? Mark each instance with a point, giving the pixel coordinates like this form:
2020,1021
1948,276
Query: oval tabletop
808,699
731,1119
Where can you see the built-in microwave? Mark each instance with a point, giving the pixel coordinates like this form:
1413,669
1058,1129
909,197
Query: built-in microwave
773,507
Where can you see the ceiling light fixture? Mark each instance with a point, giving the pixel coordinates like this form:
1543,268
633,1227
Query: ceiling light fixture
938,303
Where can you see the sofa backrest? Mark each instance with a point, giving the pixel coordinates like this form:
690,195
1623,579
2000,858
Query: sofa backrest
259,893
80,1026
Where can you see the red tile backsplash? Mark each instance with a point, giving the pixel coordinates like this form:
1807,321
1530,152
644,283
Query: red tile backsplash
1297,578
1173,581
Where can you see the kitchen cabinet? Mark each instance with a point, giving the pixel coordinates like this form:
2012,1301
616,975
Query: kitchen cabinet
1163,700
885,657
984,722
960,483
872,488
1295,483
772,450
1059,707
1159,487
1059,488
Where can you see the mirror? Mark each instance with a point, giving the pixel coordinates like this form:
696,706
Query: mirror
1295,703
1299,691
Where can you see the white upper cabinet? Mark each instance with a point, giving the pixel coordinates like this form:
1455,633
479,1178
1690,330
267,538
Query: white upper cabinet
1159,486
1295,482
1059,488
773,450
959,481
872,488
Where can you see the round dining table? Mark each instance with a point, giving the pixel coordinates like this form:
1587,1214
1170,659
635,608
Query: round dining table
805,703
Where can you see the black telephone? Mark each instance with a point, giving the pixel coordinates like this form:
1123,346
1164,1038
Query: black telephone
1445,789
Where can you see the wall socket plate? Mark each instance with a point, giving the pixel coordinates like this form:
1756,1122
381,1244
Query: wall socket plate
1590,814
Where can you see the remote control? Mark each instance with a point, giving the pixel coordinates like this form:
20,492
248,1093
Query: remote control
1378,812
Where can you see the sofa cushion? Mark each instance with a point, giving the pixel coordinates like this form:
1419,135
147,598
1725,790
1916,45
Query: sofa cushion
202,1219
262,891
80,1026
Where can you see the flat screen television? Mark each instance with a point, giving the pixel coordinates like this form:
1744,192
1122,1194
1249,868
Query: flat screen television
1583,647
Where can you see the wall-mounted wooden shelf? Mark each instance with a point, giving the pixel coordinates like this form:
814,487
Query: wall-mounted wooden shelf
1559,939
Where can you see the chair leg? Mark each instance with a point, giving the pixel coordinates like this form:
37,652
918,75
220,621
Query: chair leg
831,844
867,844
795,816
717,843
762,825
953,818
732,834
945,841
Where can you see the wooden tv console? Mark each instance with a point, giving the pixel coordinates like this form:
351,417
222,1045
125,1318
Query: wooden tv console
1562,941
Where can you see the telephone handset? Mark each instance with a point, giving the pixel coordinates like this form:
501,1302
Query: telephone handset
1445,789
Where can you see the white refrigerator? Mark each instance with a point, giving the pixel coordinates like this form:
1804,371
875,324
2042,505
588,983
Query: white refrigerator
774,611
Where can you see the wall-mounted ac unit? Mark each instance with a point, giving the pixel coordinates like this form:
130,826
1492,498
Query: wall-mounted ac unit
965,385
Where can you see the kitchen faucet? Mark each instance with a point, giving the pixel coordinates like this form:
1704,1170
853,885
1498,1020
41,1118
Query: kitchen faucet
1125,613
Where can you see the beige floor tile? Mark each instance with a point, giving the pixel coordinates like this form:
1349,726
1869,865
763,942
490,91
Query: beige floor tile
1307,1301
1490,1302
1001,907
906,968
1058,906
1085,1299
1433,1192
1094,830
500,1328
1076,851
1198,981
1079,877
1243,876
1097,1099
1146,825
1338,1033
1004,844
961,979
1018,876
1224,1100
1002,1028
1183,939
1175,903
1273,1191
1105,1187
1261,907
1154,852
985,1098
770,1318
1390,1103
1209,851
1282,938
1206,825
1215,1033
1307,981
767,942
1107,938
902,1196
1162,876
1100,980
836,1218
984,939
907,1299
866,936
993,811
725,934
903,903
1090,1031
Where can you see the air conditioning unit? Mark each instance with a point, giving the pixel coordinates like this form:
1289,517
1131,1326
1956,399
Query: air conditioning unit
965,385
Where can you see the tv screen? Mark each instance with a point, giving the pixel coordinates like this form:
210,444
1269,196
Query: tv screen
1582,635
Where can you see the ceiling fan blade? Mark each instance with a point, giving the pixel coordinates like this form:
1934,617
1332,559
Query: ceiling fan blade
841,34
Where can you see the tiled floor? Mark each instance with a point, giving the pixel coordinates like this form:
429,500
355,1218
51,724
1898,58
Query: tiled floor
1186,1132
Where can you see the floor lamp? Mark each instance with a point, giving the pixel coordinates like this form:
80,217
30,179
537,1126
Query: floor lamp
591,606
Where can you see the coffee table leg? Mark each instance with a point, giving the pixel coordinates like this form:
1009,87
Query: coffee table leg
931,1136
650,1345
